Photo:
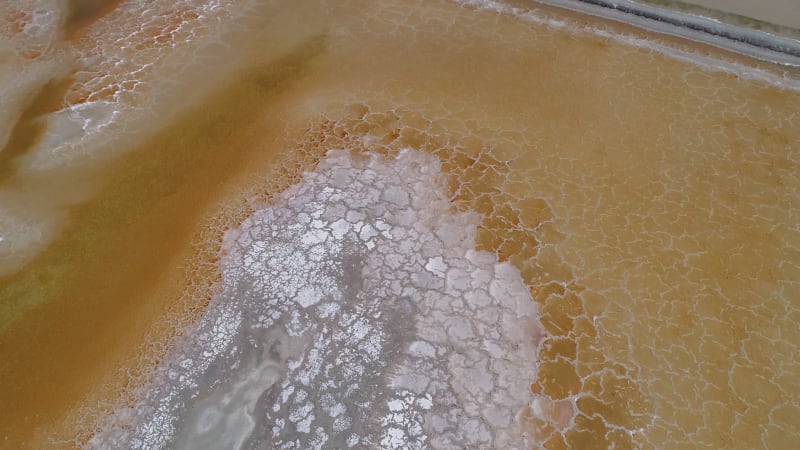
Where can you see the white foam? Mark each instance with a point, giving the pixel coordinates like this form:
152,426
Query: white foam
364,341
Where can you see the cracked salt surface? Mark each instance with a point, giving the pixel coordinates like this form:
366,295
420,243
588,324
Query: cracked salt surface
354,313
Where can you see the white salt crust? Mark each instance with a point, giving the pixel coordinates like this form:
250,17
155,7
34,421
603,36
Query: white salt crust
355,312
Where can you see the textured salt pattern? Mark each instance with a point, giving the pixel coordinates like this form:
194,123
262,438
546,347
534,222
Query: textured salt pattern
128,63
28,57
354,312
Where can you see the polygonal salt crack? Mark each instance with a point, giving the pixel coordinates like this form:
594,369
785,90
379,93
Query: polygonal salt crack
346,322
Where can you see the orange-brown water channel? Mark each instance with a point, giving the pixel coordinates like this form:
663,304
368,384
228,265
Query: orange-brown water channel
650,204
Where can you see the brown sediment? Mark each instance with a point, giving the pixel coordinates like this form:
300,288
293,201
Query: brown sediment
117,268
649,205
82,13
30,127
120,47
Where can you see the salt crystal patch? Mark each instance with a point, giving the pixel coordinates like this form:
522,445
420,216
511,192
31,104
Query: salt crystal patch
436,266
308,296
402,351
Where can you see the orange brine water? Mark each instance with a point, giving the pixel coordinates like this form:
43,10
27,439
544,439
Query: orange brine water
638,191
